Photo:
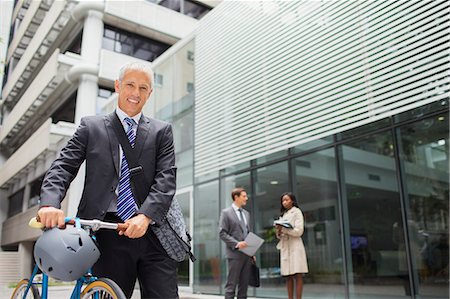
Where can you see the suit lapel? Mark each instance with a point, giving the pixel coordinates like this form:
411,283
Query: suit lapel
141,136
236,218
113,141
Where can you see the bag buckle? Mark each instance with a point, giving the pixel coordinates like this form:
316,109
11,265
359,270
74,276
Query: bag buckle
135,170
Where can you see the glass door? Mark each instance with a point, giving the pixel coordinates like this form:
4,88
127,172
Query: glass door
184,197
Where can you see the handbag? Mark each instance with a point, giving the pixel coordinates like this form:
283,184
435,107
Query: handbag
171,233
254,279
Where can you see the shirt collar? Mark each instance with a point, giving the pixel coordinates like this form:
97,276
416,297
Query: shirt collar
235,207
122,115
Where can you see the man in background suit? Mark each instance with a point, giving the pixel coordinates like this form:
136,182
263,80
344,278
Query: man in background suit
136,252
234,226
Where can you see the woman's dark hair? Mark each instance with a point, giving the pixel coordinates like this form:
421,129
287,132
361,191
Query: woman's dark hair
292,197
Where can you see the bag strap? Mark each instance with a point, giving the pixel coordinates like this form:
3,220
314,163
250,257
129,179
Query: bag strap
133,164
136,169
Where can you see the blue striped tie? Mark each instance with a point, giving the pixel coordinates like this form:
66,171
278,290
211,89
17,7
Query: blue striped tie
126,205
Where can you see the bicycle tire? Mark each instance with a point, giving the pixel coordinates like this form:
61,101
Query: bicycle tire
103,288
20,288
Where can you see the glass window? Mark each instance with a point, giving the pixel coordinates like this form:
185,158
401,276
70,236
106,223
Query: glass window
190,56
183,140
105,104
184,199
270,182
227,185
75,46
66,111
371,195
236,168
422,111
195,9
35,191
190,87
271,157
315,187
171,4
187,7
184,162
158,79
207,274
424,149
313,144
363,129
15,203
125,42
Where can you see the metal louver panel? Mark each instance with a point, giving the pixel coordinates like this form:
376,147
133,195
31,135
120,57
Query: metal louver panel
272,75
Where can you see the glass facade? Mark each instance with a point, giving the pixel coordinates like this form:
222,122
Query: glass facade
375,202
172,102
424,152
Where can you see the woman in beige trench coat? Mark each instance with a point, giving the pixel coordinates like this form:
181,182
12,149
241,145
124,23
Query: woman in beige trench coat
292,251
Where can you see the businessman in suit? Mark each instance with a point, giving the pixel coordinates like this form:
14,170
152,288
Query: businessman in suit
108,194
233,228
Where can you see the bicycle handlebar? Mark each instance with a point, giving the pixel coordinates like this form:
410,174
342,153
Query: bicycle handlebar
94,224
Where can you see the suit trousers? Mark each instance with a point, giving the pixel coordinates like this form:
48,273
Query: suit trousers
123,260
238,275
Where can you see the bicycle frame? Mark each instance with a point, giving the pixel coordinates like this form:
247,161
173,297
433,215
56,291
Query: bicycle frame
44,284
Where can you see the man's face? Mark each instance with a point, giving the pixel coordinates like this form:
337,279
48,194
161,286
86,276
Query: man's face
241,200
134,90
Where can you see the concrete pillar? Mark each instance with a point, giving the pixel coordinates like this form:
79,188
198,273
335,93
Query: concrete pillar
91,45
25,258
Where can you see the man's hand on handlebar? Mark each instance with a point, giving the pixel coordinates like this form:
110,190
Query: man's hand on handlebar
137,226
51,217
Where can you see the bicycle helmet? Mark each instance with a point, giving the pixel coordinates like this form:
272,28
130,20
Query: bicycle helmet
65,254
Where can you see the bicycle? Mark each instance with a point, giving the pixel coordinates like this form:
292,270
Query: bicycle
96,288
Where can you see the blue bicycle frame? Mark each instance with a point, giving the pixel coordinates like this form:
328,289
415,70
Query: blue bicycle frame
76,293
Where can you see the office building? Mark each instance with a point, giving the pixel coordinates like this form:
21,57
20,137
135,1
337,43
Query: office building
344,103
61,62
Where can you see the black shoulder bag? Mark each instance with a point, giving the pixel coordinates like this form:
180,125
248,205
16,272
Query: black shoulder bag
172,233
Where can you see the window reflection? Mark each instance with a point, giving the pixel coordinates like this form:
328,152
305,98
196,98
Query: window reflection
270,182
206,245
425,160
377,257
317,194
183,267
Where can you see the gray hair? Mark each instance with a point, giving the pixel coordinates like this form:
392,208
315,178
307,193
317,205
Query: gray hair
137,66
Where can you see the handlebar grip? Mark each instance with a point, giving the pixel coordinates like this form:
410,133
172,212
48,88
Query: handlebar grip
34,223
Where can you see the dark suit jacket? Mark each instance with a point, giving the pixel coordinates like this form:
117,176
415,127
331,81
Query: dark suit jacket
96,143
230,231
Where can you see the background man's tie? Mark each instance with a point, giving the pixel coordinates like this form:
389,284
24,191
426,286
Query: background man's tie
126,205
243,225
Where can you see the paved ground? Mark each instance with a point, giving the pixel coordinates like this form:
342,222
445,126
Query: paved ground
65,291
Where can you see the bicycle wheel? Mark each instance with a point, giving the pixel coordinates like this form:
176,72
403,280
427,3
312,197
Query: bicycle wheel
19,291
102,288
